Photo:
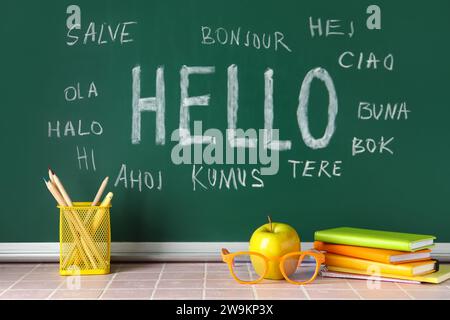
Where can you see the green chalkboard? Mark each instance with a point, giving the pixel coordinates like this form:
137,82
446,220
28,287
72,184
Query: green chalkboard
368,134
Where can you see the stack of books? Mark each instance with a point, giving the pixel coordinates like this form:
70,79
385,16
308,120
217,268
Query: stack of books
387,256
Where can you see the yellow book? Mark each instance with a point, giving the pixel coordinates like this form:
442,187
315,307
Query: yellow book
404,269
435,277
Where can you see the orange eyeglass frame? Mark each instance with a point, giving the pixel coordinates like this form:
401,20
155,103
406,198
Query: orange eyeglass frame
228,258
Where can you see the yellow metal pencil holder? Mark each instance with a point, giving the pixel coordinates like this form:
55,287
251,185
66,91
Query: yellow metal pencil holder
85,239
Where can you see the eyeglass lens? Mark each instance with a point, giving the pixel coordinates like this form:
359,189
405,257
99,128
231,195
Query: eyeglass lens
248,267
300,268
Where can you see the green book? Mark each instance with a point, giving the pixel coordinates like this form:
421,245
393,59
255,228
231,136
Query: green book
375,239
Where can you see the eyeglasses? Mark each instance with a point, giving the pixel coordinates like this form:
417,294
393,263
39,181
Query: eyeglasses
296,267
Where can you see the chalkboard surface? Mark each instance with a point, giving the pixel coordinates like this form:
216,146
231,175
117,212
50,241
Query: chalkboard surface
358,93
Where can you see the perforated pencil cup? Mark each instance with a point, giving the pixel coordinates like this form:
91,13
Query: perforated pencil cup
85,239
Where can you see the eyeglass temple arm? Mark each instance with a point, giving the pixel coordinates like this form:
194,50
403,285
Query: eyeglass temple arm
225,252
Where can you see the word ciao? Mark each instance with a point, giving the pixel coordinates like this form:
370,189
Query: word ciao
237,37
348,60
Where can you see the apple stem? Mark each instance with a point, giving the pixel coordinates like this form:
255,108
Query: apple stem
270,222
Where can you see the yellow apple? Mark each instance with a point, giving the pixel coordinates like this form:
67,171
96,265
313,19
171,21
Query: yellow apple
273,240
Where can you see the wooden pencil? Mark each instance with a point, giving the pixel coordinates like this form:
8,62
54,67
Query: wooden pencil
60,200
90,213
86,237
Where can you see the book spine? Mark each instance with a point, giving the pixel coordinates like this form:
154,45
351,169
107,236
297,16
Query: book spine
361,241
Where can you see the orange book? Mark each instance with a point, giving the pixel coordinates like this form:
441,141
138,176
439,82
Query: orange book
373,254
404,269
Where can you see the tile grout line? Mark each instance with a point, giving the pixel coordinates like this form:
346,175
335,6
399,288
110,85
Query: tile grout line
157,281
404,291
354,290
261,286
108,284
54,291
255,294
205,270
305,292
20,279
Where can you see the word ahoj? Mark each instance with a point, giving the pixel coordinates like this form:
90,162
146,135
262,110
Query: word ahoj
237,37
103,34
388,111
157,104
137,179
95,128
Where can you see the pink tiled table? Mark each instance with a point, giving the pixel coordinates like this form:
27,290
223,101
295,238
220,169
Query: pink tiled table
187,281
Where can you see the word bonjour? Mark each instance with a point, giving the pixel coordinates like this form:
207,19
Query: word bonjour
238,38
